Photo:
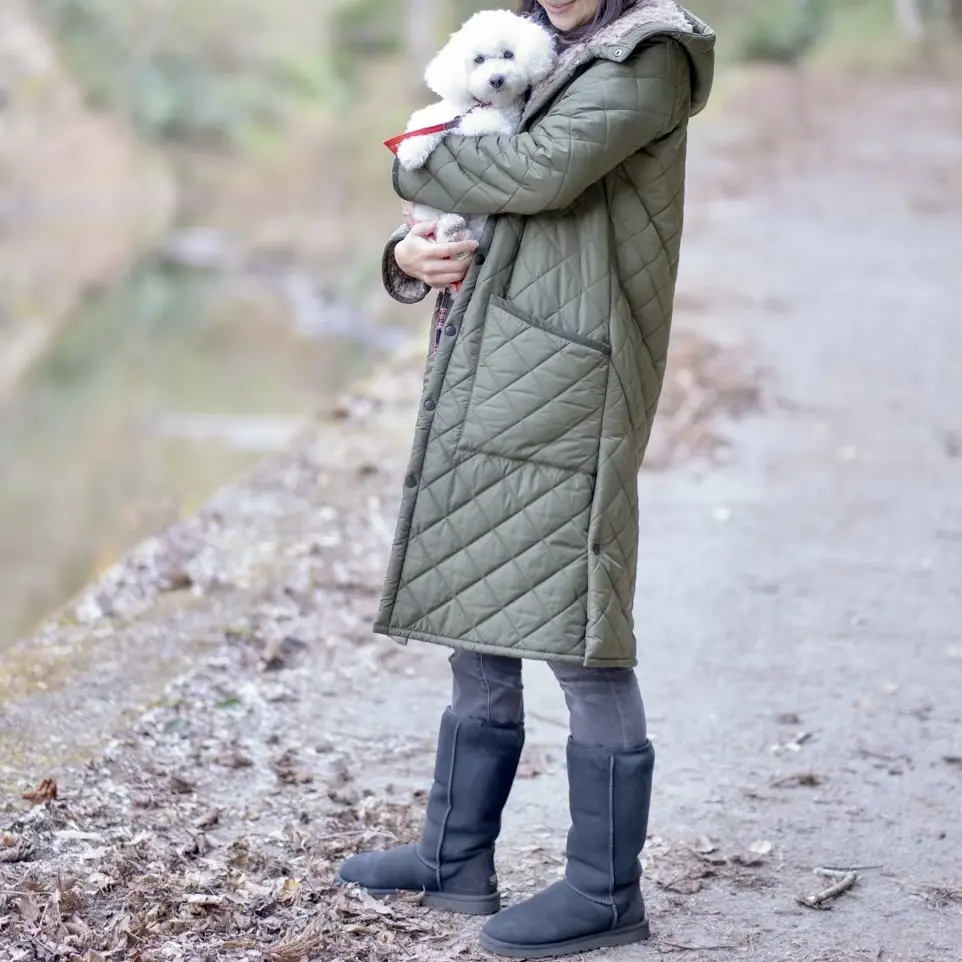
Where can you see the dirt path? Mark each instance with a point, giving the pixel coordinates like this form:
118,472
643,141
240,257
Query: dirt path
798,616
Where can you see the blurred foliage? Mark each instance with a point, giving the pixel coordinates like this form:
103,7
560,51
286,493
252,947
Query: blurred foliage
783,31
838,33
201,71
219,73
362,29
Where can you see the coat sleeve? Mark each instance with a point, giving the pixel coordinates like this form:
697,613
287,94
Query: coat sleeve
402,287
608,113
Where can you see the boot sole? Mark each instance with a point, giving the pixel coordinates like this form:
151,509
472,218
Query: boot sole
443,901
549,950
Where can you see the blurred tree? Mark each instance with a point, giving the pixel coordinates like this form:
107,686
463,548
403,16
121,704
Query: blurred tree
422,29
784,31
917,18
908,14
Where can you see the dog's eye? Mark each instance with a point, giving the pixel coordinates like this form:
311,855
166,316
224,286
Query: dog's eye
479,58
508,55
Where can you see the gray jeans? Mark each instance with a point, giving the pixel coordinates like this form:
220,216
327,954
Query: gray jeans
604,704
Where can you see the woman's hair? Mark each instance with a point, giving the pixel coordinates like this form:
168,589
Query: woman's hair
608,12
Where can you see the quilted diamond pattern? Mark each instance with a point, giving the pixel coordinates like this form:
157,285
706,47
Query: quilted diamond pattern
519,524
536,395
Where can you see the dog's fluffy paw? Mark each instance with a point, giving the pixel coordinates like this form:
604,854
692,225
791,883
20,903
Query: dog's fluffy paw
452,229
413,154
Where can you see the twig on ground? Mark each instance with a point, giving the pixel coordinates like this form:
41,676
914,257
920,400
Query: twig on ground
296,946
829,871
369,832
840,870
817,901
799,780
679,947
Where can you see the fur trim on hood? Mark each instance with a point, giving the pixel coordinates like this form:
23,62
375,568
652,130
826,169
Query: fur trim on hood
647,18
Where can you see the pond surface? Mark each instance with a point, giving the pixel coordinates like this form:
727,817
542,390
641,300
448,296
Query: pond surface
156,392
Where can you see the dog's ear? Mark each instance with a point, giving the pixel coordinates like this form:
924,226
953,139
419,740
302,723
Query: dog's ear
537,50
445,73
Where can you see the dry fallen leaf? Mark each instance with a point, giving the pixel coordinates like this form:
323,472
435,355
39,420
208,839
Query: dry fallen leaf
755,855
792,744
100,881
371,903
78,928
286,770
204,901
289,890
28,909
704,845
788,718
180,785
45,792
208,819
17,851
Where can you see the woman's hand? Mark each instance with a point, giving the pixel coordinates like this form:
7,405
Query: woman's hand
438,265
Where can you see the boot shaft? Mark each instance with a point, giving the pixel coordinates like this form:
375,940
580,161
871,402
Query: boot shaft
474,770
610,797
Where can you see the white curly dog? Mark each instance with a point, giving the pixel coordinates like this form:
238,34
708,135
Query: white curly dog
483,75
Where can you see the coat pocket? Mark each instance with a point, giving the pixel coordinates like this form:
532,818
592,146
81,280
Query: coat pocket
538,395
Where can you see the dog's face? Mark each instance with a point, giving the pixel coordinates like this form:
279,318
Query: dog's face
494,58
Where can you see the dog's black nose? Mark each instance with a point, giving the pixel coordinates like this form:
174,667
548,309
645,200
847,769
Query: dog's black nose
497,81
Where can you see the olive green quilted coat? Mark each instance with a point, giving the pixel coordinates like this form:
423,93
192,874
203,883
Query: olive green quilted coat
518,527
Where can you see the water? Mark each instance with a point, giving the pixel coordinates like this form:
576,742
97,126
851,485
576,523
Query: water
158,391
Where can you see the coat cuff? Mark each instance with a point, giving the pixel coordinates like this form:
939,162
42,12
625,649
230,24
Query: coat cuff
402,287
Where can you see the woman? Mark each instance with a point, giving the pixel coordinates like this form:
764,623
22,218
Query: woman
518,528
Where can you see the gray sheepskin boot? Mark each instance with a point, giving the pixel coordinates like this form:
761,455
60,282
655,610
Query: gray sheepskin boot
598,903
453,863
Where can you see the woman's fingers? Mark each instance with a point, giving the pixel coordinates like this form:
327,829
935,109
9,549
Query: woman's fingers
423,228
438,265
445,267
444,278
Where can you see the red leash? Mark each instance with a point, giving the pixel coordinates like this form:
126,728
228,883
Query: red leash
392,143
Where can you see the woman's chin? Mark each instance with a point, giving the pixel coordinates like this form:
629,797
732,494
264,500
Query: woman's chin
569,14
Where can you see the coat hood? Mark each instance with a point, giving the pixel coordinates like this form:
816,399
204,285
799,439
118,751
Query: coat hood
647,19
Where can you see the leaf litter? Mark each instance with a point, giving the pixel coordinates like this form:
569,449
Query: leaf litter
218,837
213,827
153,894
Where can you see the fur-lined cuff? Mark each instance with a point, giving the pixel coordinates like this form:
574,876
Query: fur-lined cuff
402,287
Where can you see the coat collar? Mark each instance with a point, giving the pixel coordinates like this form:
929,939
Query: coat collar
615,42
